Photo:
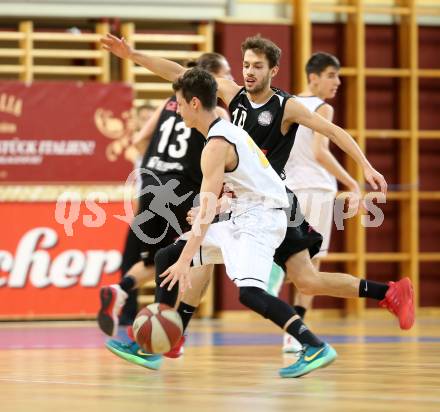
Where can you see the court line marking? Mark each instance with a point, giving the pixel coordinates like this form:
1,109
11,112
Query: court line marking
245,392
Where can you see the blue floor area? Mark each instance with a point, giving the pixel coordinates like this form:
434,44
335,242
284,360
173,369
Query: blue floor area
91,337
237,339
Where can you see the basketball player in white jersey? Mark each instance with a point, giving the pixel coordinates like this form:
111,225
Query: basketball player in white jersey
312,170
272,117
247,240
178,158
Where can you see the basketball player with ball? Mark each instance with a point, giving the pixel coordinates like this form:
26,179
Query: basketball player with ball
173,154
245,242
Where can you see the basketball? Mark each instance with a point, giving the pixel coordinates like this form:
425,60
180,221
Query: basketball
157,328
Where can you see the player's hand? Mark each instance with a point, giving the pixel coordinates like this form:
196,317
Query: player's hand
192,214
119,47
375,179
179,272
354,197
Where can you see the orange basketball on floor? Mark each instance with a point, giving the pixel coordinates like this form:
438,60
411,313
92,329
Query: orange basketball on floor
157,328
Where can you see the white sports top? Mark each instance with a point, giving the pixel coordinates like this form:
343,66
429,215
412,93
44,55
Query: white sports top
253,181
302,169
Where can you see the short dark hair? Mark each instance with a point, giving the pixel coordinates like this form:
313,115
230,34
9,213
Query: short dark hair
197,82
212,62
260,45
320,61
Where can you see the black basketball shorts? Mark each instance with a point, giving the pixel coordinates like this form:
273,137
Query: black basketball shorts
299,236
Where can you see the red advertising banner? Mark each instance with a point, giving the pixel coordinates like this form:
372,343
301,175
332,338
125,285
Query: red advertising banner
64,132
46,272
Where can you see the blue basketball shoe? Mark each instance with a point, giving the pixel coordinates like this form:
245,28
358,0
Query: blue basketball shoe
311,358
132,353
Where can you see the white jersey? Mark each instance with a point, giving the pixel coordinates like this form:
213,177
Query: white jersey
302,169
253,182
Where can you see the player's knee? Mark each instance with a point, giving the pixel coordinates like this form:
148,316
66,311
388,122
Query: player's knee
308,289
303,275
254,299
306,283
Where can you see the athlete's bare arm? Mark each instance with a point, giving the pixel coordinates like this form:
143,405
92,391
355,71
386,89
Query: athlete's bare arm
142,138
295,112
227,89
214,159
164,68
167,69
224,114
323,155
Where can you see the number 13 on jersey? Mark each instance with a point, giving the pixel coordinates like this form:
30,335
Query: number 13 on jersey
182,134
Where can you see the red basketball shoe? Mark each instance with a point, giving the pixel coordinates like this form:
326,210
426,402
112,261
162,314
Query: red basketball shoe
112,300
399,300
177,350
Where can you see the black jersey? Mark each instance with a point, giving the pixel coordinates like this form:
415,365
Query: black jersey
263,124
174,148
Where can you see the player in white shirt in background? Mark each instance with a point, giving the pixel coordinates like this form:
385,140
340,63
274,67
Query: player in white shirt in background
312,170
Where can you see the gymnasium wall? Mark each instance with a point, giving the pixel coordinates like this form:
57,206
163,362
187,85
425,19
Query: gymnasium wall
429,165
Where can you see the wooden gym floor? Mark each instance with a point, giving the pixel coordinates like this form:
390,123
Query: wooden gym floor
228,366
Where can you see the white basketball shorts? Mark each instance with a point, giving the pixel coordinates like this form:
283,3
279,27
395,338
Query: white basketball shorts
246,244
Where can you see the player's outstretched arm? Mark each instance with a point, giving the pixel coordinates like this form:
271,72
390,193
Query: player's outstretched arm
224,114
142,138
227,89
295,112
164,68
323,155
